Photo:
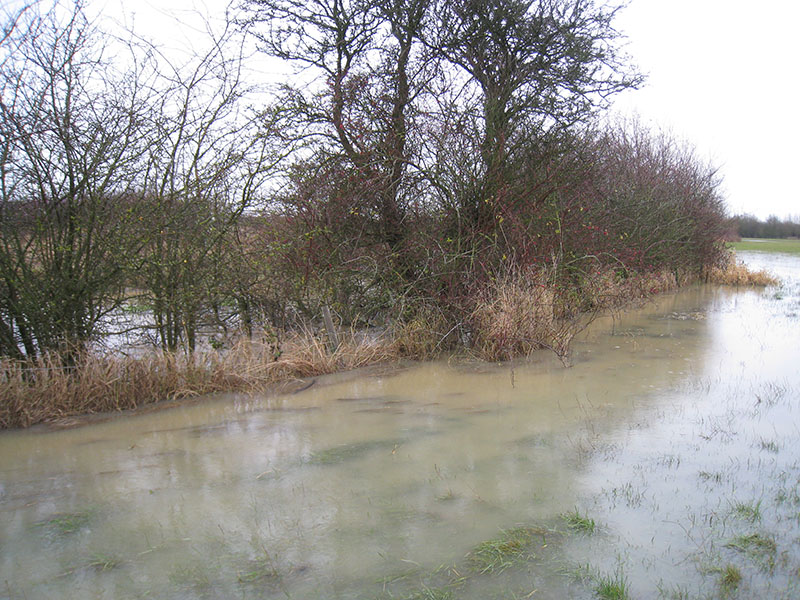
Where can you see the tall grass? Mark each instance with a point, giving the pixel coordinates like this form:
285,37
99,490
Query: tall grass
32,392
737,274
512,316
520,313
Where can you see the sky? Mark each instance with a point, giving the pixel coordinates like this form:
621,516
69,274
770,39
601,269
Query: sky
722,75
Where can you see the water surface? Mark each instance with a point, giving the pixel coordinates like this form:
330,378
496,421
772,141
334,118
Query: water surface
675,431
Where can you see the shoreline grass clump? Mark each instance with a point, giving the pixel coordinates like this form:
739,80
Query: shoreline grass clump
43,390
738,274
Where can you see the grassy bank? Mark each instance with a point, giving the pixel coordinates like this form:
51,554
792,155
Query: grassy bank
767,245
43,391
512,317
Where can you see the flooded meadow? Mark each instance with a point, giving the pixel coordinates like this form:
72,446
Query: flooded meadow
663,463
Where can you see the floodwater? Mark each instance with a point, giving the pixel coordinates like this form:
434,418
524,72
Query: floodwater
664,463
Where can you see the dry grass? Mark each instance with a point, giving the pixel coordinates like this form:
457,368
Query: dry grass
38,391
518,314
609,289
736,273
512,317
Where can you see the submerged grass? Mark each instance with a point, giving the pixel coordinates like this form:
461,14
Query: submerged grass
346,452
749,511
509,548
578,522
66,523
758,547
103,562
728,578
512,548
612,587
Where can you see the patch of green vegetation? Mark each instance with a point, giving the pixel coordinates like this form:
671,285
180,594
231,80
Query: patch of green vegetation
346,452
195,576
788,496
66,523
428,593
749,511
756,546
728,577
103,562
258,570
511,547
767,245
604,585
136,308
578,522
611,587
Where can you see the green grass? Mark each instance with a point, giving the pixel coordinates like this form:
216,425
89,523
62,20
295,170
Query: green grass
767,245
258,570
428,593
66,523
578,522
611,587
759,548
103,562
729,577
512,546
346,452
749,511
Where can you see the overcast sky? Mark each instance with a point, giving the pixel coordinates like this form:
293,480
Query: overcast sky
722,75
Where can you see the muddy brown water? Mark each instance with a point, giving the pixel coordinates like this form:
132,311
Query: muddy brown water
676,432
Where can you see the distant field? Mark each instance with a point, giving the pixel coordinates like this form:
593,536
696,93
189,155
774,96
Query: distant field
765,245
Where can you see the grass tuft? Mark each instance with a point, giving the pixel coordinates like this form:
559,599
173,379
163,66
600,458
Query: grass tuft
510,547
728,577
579,523
749,511
612,587
737,274
103,562
757,547
66,523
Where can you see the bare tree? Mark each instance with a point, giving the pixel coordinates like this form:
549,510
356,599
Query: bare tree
71,147
207,160
540,67
362,64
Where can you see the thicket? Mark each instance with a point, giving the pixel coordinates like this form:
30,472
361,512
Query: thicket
442,171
